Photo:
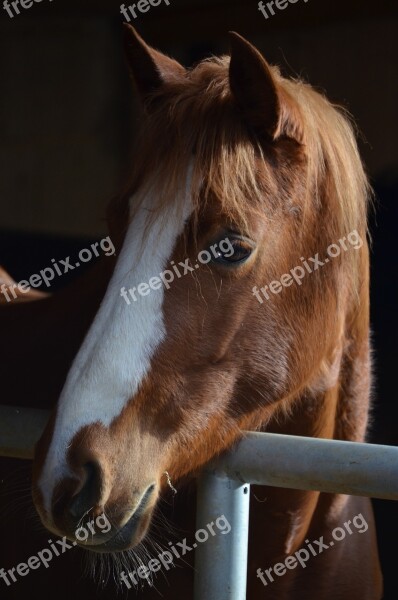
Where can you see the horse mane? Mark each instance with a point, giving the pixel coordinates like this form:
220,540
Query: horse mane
195,119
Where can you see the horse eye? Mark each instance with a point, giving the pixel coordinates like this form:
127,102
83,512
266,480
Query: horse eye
236,252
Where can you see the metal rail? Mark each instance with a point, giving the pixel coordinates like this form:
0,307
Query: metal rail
260,458
280,461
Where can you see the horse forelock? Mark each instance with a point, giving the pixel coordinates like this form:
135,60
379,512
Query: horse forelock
195,119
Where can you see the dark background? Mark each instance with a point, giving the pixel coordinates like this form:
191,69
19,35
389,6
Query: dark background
67,123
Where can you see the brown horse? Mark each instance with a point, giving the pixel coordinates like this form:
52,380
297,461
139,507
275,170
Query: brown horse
167,356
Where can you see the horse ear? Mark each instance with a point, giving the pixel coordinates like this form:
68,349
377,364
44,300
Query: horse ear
253,87
150,68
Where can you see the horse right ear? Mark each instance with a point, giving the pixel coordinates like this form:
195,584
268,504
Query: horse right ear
150,69
253,87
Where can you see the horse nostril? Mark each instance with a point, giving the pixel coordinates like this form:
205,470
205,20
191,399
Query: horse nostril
89,494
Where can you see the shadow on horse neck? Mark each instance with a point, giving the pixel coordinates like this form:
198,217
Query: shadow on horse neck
238,300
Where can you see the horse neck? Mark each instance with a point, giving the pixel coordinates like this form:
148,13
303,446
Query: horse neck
336,404
337,411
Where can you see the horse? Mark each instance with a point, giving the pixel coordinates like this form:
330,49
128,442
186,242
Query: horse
170,352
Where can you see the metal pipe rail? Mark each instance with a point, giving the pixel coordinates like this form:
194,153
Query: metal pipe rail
260,458
305,463
280,461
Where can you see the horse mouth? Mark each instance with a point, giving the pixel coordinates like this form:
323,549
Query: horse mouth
132,533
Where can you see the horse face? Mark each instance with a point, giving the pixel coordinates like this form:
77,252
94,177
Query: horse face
170,371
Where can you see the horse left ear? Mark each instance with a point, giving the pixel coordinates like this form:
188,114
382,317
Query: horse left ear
253,87
150,69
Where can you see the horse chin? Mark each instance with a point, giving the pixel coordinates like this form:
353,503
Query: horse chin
132,532
128,537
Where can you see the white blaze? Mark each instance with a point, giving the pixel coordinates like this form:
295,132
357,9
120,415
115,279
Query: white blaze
116,354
